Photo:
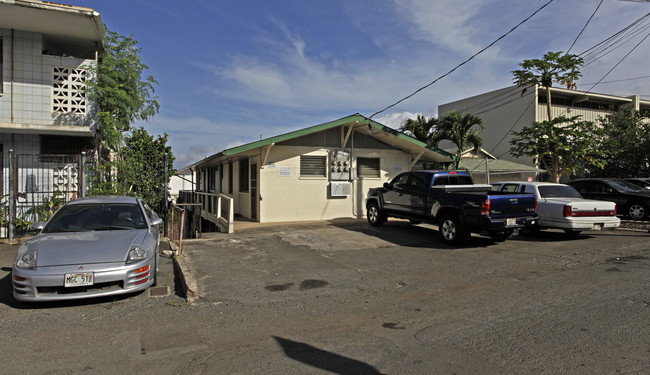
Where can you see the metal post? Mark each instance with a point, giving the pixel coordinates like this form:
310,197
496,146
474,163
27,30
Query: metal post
12,197
166,202
487,171
82,174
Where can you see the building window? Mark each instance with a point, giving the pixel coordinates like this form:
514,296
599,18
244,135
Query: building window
313,166
243,176
368,167
68,90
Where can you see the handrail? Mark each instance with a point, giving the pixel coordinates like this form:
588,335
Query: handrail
215,207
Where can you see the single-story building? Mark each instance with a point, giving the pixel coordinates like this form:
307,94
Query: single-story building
486,168
318,173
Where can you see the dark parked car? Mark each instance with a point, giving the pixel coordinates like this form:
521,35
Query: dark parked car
643,183
633,201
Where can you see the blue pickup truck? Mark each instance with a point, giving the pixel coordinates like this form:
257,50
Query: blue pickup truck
451,200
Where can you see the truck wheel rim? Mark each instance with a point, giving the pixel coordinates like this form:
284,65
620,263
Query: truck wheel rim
449,229
372,214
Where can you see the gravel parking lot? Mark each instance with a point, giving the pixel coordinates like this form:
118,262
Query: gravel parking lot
345,298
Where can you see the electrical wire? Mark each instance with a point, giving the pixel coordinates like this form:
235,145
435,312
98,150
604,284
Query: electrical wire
618,63
583,29
464,62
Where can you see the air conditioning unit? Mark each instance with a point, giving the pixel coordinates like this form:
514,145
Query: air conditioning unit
340,188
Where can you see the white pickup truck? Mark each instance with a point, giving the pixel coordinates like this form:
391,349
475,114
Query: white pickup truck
562,207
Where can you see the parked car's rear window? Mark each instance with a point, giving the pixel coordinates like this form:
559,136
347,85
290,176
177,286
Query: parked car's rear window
558,191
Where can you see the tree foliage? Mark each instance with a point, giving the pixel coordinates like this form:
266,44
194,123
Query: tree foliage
553,67
627,144
461,129
120,92
421,128
140,172
561,145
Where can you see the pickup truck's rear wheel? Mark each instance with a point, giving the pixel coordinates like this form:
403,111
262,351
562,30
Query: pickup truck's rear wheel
500,235
450,230
375,217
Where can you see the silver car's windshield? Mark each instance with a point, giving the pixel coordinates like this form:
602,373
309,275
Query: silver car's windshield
96,216
558,191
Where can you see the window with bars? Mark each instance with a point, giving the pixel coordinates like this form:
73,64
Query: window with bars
313,166
368,167
68,94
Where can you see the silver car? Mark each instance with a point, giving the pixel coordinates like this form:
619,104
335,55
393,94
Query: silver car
91,247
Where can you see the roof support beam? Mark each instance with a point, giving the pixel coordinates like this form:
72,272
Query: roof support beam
266,154
347,136
417,158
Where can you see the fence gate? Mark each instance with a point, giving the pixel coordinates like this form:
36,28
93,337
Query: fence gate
38,184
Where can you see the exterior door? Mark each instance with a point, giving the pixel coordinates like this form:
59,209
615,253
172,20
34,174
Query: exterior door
254,196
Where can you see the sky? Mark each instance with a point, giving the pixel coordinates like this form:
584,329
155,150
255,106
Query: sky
230,72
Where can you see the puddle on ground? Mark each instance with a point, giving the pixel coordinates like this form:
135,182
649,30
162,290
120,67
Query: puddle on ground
278,287
392,326
313,284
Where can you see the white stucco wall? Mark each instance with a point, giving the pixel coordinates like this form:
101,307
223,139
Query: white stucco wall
296,198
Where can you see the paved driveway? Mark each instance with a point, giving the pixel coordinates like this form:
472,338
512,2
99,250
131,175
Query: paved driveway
346,298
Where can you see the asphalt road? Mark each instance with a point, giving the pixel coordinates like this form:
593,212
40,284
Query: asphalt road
346,298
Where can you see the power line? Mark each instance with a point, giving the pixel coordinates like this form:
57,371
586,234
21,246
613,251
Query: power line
583,29
464,62
617,80
618,63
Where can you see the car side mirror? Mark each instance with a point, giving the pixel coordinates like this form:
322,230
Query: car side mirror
38,226
386,185
157,221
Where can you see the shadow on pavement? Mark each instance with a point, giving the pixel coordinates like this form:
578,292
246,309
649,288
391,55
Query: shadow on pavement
403,233
324,360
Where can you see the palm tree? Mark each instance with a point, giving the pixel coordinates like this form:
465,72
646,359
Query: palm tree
457,128
420,128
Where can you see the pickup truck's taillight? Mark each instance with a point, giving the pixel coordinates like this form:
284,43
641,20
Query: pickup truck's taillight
485,207
536,204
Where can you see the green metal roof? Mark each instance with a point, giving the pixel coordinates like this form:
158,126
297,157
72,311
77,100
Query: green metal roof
403,138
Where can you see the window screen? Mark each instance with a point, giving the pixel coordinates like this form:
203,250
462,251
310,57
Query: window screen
368,167
313,165
243,176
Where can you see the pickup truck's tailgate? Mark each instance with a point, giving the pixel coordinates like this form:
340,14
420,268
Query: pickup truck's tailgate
516,205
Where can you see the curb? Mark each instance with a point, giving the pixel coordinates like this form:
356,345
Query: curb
188,281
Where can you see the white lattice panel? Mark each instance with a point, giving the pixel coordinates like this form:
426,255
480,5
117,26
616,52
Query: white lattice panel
68,94
66,181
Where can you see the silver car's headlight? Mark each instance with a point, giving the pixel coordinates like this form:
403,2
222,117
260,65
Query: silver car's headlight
27,261
136,254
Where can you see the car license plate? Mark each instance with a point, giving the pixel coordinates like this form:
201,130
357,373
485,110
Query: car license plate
597,227
511,222
78,279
